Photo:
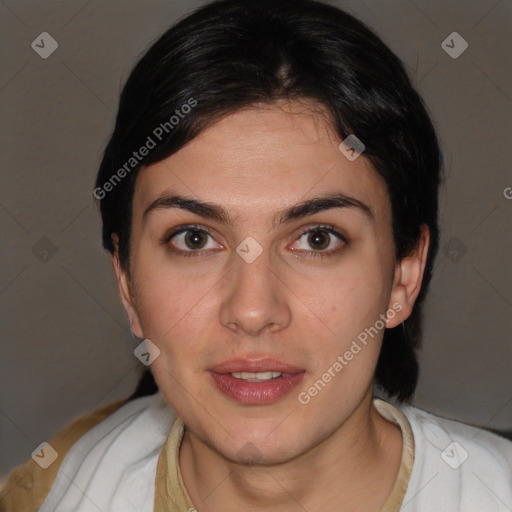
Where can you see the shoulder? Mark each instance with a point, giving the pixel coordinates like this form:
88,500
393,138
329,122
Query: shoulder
115,461
29,484
457,465
93,450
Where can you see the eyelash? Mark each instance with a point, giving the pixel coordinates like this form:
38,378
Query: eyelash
326,228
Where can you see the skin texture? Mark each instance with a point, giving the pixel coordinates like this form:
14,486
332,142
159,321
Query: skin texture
335,452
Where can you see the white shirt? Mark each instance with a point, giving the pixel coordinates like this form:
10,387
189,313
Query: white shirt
113,466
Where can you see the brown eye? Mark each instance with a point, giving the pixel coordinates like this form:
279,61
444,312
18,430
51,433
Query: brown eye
191,241
318,239
196,239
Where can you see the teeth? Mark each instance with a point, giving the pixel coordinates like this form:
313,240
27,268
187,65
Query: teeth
256,377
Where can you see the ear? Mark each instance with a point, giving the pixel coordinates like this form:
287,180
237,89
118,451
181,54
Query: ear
408,278
125,290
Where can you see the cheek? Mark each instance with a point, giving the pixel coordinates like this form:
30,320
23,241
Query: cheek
165,303
165,291
347,341
346,301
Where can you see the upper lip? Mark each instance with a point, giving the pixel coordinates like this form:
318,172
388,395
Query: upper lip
254,366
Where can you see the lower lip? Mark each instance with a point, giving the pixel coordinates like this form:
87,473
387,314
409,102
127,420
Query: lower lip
256,393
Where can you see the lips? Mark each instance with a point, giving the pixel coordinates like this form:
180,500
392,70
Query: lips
255,366
255,382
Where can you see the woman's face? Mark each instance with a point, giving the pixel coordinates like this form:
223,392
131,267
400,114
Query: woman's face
259,290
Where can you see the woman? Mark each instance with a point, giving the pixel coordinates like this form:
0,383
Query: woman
269,198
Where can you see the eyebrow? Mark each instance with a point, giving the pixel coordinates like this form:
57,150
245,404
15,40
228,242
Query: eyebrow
300,210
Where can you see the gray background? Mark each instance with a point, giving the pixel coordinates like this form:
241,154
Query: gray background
66,347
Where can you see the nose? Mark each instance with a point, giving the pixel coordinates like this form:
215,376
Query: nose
255,299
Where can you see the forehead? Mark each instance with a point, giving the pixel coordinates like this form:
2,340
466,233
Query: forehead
261,159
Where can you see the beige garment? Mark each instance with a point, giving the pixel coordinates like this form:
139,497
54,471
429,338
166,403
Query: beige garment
171,495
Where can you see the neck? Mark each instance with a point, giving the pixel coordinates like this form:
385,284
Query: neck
354,469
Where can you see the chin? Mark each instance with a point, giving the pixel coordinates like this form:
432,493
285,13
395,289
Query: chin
262,454
263,444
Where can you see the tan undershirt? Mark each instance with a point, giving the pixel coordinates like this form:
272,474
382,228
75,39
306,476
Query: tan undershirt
171,495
